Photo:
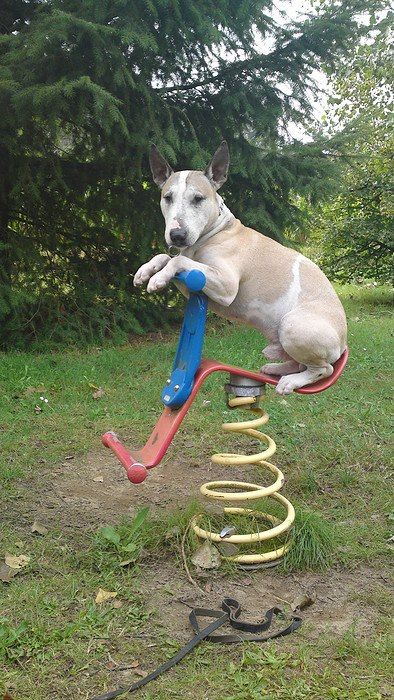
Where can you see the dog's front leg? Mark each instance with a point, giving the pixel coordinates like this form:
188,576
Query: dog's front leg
221,285
146,271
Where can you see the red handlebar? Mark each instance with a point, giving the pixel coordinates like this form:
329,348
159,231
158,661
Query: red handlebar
137,464
136,472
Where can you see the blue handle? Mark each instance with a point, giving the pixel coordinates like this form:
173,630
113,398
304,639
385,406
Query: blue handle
193,279
188,355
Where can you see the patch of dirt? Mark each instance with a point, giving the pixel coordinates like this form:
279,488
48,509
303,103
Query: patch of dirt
335,611
93,490
82,494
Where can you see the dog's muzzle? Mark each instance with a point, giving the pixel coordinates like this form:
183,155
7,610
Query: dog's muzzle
178,236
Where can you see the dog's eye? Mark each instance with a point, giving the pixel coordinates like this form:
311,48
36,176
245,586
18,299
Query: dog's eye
168,198
198,198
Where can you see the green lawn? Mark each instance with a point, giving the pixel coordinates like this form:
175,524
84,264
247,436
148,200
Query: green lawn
334,449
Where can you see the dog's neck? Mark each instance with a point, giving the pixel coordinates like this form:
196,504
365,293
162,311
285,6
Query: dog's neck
225,217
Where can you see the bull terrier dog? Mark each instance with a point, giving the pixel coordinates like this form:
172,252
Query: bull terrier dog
249,277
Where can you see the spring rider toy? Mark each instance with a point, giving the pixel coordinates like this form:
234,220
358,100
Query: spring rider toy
244,389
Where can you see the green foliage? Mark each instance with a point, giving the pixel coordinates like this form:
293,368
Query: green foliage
37,640
10,638
356,230
313,543
127,543
85,86
131,540
313,538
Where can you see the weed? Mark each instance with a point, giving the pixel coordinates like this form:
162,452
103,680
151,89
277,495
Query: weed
131,540
347,477
308,482
127,542
11,638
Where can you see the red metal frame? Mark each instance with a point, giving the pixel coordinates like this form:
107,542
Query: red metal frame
152,453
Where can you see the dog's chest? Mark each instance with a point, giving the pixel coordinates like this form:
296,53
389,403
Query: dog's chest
259,306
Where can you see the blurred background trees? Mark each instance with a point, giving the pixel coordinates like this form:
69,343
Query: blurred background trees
86,85
356,229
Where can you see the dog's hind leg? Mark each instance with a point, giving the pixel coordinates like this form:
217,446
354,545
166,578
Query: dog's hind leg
274,351
311,341
281,368
312,374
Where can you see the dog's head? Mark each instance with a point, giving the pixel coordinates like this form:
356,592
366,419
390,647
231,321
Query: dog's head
189,201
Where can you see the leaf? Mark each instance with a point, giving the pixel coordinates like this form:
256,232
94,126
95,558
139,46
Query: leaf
173,533
6,573
138,521
109,533
17,563
111,666
126,562
93,386
130,547
227,549
39,529
303,601
102,596
206,557
98,393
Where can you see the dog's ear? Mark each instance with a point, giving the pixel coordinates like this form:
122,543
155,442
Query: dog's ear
161,171
217,170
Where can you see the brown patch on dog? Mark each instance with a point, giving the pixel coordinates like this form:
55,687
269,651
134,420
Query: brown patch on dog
200,182
172,180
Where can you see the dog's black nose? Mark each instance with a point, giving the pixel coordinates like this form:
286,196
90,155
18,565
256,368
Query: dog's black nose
178,236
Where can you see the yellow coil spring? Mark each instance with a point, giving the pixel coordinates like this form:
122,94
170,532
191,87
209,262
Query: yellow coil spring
245,491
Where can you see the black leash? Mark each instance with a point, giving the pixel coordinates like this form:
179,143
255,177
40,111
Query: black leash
229,613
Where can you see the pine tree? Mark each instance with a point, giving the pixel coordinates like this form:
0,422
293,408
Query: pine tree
85,85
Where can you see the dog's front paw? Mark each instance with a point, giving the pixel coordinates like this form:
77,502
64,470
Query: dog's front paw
157,282
142,275
146,271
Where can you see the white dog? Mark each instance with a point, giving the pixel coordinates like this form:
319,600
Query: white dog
250,277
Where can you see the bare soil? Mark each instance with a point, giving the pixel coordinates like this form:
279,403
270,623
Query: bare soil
69,496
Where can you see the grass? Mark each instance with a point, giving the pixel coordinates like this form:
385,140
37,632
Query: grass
313,539
313,543
334,449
